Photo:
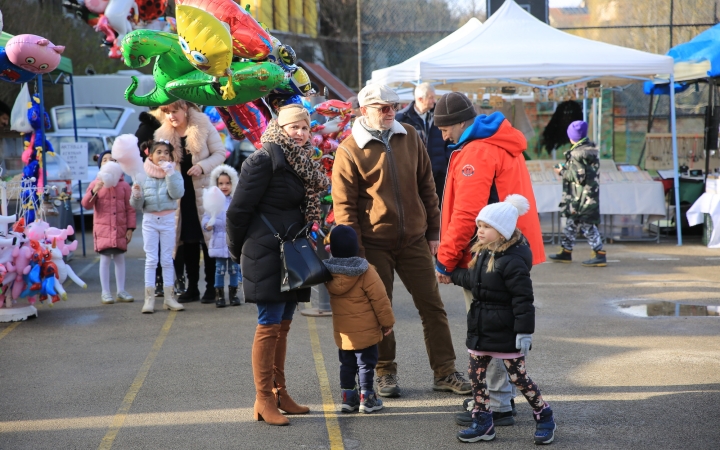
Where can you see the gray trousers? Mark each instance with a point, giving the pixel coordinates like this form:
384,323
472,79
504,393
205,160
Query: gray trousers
498,383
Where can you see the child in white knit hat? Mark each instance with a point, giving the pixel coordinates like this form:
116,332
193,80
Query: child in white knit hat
501,320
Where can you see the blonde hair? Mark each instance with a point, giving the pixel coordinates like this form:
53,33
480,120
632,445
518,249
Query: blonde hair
493,246
179,104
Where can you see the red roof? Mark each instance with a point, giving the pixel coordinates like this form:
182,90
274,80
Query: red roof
322,77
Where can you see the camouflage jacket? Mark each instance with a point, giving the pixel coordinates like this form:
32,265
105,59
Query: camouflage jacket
581,188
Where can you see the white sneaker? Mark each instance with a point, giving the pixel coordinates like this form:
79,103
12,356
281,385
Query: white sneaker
107,299
124,297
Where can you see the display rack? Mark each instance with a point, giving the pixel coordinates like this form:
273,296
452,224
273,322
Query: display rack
12,190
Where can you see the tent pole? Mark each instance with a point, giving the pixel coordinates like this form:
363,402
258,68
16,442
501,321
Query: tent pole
599,123
709,122
80,189
676,174
40,134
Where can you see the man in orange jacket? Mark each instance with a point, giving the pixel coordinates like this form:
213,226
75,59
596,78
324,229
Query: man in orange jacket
486,166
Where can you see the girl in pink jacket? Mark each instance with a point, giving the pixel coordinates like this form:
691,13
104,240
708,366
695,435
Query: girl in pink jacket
113,226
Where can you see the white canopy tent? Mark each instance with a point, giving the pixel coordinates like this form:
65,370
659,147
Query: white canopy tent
514,48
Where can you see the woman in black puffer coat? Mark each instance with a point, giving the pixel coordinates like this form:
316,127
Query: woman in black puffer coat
281,182
501,320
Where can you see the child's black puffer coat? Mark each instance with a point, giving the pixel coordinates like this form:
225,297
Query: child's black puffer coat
502,299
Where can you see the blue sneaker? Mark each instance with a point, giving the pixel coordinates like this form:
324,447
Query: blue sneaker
369,402
544,425
350,400
482,428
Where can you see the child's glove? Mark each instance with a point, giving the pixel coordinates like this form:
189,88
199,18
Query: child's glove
523,342
168,168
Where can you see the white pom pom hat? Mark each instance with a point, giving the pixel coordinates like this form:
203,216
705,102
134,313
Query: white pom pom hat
503,216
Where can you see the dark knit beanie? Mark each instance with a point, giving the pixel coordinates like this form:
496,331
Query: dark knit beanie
100,157
453,108
343,242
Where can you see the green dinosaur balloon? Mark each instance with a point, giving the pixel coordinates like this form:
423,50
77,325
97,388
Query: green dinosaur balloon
250,81
139,47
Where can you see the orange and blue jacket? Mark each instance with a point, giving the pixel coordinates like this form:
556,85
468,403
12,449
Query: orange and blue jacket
486,166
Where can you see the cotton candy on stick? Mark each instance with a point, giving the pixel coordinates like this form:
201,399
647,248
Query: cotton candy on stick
110,174
126,152
213,202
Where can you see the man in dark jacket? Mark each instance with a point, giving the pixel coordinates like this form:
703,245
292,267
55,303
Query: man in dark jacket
581,196
420,115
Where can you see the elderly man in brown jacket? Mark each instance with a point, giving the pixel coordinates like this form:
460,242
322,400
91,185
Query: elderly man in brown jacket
383,187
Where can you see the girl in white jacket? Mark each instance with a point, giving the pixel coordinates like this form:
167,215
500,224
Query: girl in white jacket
226,179
158,197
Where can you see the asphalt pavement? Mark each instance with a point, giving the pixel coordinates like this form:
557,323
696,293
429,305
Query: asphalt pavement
84,375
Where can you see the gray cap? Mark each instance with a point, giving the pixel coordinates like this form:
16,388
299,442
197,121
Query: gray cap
374,94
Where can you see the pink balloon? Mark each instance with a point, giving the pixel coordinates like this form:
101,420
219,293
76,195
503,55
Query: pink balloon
33,53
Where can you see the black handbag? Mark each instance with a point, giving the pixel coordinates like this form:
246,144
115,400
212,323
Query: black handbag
300,266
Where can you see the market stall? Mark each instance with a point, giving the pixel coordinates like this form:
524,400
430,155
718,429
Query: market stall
514,50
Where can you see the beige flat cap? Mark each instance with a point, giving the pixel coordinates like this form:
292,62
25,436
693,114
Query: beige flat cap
377,94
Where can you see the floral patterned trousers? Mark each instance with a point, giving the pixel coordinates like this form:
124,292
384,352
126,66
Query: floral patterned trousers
518,376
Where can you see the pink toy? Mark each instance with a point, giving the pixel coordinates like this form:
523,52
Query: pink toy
33,53
58,236
103,26
36,230
96,6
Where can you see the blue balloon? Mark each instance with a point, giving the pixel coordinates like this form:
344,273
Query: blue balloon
212,114
12,73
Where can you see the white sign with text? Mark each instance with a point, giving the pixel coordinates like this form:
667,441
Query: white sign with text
76,155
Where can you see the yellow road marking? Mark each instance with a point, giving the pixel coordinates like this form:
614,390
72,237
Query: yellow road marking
122,412
331,421
7,330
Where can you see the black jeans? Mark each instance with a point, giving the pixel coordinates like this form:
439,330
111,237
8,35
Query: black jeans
358,362
191,256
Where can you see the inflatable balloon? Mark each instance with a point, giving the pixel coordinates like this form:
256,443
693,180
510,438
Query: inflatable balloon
282,55
81,11
139,48
207,44
12,73
117,12
96,6
333,108
299,84
250,81
249,39
276,101
33,53
149,10
1,22
248,120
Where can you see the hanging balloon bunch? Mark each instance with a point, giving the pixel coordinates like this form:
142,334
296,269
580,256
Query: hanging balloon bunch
31,262
221,57
115,18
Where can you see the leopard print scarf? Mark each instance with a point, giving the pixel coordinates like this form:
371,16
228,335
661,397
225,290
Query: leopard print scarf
314,178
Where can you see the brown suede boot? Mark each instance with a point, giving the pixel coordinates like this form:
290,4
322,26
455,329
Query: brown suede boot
284,401
263,357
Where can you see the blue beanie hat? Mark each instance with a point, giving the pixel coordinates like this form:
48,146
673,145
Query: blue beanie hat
343,242
577,131
100,157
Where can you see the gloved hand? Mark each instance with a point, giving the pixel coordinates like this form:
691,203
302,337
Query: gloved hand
523,342
168,167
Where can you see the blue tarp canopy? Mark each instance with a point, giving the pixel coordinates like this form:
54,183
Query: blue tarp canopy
694,60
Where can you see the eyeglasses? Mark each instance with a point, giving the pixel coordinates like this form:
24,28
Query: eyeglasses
385,109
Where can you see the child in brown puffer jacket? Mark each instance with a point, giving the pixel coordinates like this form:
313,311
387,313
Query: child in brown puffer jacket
362,315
